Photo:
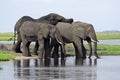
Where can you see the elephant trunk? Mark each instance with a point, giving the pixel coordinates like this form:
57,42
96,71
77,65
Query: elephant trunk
93,39
95,49
14,36
69,20
58,37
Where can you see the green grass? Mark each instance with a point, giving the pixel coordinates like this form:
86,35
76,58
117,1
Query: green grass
108,36
5,56
105,50
5,36
100,36
109,49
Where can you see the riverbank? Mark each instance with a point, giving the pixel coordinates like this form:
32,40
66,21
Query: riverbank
100,36
103,49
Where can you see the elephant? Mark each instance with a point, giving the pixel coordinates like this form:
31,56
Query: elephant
39,32
51,18
75,33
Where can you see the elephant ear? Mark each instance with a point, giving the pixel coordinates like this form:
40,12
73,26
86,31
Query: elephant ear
44,30
79,31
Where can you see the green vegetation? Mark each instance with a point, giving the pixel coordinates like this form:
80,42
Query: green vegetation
108,36
6,36
4,56
100,36
104,49
109,49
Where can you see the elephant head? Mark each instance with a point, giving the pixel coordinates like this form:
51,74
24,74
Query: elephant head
86,31
54,18
92,36
50,31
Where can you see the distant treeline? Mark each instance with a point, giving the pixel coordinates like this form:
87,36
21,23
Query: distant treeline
112,31
105,35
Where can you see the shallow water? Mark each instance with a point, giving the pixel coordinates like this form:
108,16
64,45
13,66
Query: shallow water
112,42
106,68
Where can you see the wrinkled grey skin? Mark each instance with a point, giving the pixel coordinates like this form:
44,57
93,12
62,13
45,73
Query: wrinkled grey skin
51,18
75,33
36,31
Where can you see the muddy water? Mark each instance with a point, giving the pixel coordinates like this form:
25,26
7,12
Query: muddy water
106,68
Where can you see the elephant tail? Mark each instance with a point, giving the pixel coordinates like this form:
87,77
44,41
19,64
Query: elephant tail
14,36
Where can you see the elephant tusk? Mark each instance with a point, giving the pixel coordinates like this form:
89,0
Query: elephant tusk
93,40
59,42
50,40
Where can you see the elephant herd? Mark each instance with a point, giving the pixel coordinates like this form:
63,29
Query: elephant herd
53,31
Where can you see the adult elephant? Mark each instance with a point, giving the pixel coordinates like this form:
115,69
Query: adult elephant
51,18
36,31
75,33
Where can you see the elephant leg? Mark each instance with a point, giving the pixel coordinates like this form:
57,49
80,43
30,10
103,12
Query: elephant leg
16,47
90,48
25,48
76,50
46,47
95,50
28,48
41,48
63,52
36,48
55,53
84,50
78,46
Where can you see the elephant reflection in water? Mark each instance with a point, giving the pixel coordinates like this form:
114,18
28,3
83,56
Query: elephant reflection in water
37,68
51,69
84,62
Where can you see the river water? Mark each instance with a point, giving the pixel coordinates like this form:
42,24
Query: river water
112,42
106,68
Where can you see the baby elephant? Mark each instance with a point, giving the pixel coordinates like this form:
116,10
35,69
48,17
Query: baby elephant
39,32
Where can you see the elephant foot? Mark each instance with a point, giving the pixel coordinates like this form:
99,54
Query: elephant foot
16,50
47,57
98,57
27,55
35,54
40,56
79,56
55,56
84,57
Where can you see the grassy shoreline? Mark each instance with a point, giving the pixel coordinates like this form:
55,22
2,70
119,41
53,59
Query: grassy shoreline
103,49
109,49
8,55
100,36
